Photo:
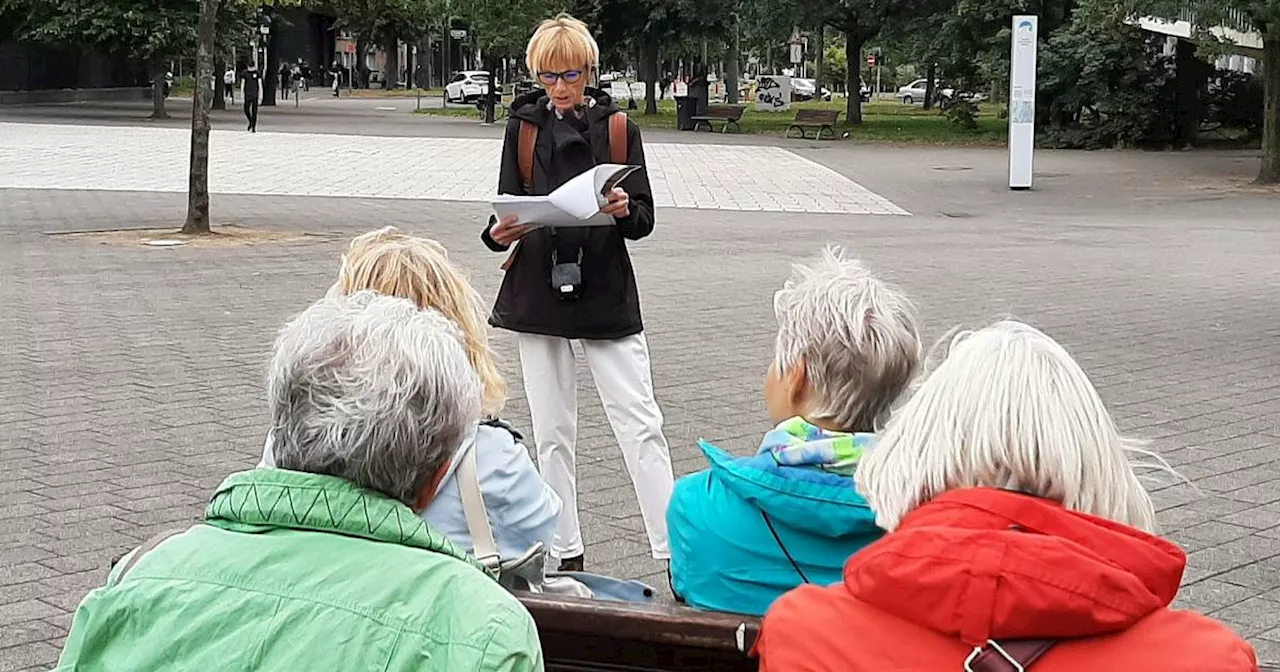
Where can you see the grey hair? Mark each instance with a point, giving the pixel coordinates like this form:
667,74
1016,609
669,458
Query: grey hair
856,335
1007,407
371,389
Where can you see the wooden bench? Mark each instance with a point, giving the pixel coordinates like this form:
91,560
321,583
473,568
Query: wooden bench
599,636
727,114
819,119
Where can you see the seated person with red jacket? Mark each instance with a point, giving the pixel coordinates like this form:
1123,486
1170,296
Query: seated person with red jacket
1018,532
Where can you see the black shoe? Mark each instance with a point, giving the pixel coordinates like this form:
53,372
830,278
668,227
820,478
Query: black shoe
574,564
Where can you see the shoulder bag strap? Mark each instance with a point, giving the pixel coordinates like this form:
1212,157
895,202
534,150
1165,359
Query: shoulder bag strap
485,549
1010,656
794,565
618,149
146,547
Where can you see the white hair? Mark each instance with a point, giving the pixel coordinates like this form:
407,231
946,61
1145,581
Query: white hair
1008,408
856,335
371,389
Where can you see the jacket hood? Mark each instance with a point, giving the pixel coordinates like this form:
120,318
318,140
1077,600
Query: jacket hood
817,502
532,106
984,564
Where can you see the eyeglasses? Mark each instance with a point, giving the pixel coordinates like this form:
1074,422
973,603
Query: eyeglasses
568,77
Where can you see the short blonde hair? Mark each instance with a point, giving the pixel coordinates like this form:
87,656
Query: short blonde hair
390,262
1006,408
856,335
563,39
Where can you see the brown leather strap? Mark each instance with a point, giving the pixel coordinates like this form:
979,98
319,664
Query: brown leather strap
618,149
528,143
147,546
1008,656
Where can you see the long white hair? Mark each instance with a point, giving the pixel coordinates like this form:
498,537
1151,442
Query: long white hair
1007,407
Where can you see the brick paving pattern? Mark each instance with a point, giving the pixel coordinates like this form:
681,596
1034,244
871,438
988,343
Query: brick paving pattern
131,378
117,158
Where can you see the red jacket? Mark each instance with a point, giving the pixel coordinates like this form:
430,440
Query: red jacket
979,564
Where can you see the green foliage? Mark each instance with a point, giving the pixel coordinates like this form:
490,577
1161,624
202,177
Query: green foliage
962,113
837,64
148,30
1105,83
1235,101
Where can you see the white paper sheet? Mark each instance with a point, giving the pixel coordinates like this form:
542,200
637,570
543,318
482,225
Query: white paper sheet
576,203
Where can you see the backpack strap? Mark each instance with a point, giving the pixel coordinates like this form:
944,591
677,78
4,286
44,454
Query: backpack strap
618,149
527,145
1011,656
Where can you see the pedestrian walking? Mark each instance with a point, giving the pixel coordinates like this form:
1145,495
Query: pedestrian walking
229,84
252,89
576,284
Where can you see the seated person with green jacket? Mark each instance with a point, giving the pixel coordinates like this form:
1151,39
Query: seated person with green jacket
748,529
324,563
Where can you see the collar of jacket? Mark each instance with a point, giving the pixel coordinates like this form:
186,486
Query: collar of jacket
263,499
533,107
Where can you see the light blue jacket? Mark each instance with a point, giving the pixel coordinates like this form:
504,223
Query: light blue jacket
724,557
522,507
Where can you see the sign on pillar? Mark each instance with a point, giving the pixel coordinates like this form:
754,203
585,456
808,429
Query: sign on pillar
1022,101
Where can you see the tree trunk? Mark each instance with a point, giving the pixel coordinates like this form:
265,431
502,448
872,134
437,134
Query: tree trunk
219,89
362,63
491,64
931,84
198,182
391,66
158,82
733,65
1270,171
818,59
852,75
271,70
651,82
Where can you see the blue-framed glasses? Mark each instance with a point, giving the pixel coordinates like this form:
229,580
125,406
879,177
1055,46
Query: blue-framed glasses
568,77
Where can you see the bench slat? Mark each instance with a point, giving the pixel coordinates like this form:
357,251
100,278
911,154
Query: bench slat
586,635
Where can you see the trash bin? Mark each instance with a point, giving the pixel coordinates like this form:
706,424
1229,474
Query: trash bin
685,113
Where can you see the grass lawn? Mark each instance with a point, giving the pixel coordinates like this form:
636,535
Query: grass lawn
882,121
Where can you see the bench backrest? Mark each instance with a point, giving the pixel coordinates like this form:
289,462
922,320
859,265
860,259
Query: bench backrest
818,116
733,112
597,635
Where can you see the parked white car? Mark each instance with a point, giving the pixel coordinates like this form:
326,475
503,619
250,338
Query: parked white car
467,87
915,91
806,89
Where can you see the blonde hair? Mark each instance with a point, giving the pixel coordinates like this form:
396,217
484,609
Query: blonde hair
855,334
563,39
1008,408
393,263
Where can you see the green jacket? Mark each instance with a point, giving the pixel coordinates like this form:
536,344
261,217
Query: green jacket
294,571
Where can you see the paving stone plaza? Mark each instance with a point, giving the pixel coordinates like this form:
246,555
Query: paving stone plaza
131,377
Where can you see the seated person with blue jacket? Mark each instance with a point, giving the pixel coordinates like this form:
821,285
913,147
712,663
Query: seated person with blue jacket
521,508
748,529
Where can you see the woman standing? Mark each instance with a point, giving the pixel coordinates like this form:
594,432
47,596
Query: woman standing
554,134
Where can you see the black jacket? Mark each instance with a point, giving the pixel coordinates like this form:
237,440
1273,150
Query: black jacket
608,305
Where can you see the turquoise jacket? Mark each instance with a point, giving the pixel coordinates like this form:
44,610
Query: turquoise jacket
725,557
294,571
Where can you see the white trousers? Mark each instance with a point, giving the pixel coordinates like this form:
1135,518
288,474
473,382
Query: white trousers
621,372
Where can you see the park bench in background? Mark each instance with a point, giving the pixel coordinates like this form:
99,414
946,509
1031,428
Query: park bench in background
598,636
818,119
726,114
